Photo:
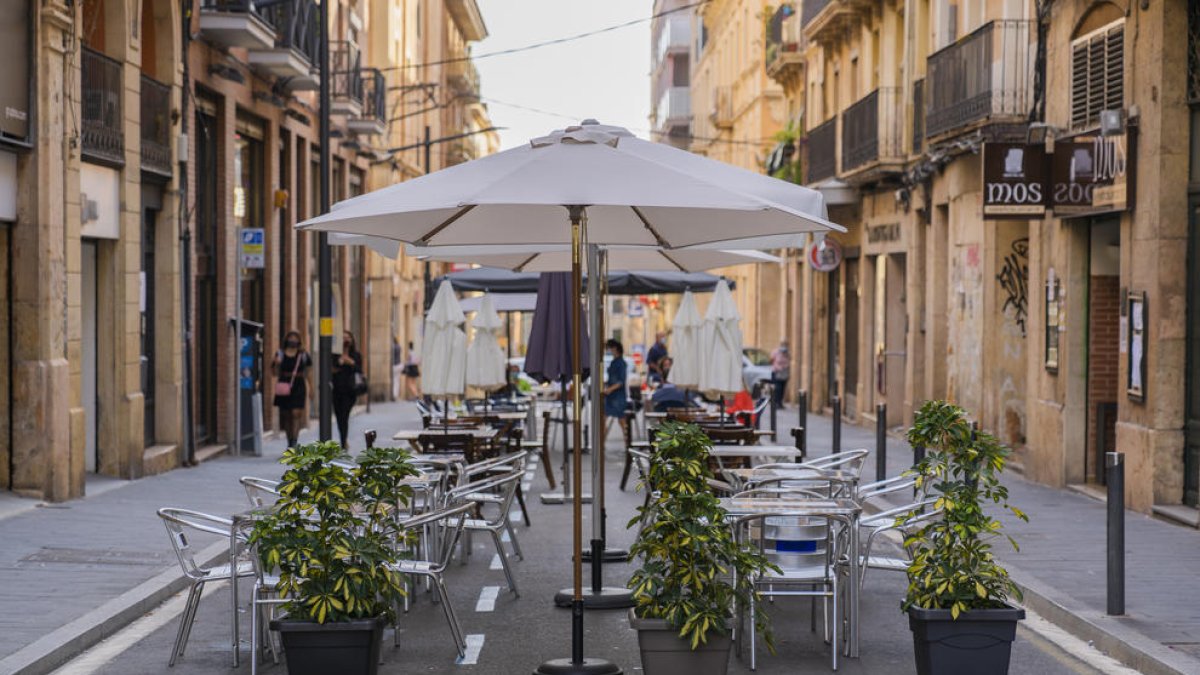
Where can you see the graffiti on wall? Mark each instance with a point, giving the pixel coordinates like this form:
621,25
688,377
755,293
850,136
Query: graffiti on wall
1014,280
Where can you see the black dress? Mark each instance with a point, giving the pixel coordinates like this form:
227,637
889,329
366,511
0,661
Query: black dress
287,364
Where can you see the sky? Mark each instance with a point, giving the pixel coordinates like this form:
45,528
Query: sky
604,76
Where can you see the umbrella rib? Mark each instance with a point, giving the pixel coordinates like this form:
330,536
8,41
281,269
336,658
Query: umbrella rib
424,240
521,267
672,260
646,223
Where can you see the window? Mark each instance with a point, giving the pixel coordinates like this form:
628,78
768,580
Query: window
1097,74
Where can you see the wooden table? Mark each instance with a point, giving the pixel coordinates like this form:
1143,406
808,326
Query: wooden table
500,415
846,511
411,435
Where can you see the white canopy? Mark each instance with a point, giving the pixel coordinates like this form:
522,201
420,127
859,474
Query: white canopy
721,345
502,302
557,258
444,346
685,342
486,364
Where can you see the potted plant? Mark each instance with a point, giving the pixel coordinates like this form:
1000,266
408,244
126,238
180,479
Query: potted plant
334,539
958,599
684,591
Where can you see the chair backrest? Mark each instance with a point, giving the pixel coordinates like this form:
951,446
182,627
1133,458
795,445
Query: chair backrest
505,485
512,461
850,460
446,442
180,523
801,546
886,486
260,491
730,435
451,519
781,491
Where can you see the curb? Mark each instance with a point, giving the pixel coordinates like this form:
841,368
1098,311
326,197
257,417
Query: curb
1108,634
54,649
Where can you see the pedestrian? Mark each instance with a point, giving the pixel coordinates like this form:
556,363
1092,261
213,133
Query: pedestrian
348,384
658,352
781,369
292,385
616,399
412,374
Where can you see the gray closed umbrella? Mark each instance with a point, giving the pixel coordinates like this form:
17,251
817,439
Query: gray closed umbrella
549,357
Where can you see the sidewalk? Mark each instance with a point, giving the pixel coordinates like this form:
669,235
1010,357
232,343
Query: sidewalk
1061,564
73,573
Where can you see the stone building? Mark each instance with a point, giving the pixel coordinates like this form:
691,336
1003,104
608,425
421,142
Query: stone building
1014,177
154,159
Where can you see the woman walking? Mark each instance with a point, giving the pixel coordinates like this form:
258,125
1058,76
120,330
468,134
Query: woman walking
347,373
615,396
290,367
412,374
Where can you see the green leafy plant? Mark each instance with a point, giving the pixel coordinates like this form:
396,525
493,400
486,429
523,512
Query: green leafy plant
688,552
792,170
953,566
333,534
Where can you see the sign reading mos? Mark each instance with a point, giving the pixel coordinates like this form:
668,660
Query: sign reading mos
1091,173
1014,180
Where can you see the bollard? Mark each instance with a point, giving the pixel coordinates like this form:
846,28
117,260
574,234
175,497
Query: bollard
802,416
880,441
836,401
774,412
1114,467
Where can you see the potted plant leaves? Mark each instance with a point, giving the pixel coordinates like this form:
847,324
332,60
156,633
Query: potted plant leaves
958,599
334,539
684,591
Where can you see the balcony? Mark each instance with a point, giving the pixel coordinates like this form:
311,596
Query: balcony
294,56
103,134
373,119
674,38
467,17
785,45
674,108
462,77
346,83
235,23
871,133
983,78
820,147
829,19
156,127
721,114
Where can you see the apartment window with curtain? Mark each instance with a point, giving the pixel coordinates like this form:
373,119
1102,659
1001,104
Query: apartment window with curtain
1097,73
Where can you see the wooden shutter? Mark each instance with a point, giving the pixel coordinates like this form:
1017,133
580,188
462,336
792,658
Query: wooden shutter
1097,74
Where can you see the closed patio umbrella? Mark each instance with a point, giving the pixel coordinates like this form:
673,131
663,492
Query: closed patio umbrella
444,346
685,343
486,366
721,346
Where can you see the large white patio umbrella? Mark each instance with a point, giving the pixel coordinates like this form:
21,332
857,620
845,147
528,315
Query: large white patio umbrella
616,190
721,345
486,365
685,342
444,346
557,258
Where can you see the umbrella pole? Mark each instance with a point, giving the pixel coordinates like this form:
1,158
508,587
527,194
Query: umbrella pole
577,665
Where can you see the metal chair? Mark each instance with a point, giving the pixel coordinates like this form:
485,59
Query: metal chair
179,524
542,446
500,465
886,486
886,521
260,491
848,460
450,520
264,599
498,491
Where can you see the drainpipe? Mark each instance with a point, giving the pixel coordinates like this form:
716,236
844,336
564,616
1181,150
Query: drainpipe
185,242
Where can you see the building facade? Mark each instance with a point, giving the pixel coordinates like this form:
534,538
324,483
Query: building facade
155,157
1014,179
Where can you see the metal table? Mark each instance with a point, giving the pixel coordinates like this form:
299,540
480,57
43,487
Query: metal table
748,478
847,511
411,435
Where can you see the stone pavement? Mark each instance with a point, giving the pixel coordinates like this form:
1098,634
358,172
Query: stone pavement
1061,564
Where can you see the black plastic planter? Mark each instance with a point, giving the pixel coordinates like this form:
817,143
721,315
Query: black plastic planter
665,653
349,648
977,642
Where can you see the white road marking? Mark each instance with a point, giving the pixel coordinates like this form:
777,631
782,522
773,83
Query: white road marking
505,537
95,658
487,599
496,564
515,516
525,487
474,645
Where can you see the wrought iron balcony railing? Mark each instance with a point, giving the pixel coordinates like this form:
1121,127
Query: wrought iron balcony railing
103,132
820,160
871,129
373,118
156,127
784,40
345,62
297,25
987,74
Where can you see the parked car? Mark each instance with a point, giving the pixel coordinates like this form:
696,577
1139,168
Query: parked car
756,370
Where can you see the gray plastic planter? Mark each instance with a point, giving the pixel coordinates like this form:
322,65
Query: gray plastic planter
665,653
979,641
349,648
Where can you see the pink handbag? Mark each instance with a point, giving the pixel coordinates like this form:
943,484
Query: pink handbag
284,389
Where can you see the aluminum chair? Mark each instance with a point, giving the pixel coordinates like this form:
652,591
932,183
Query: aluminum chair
886,486
847,460
264,599
498,466
886,521
180,523
261,492
450,520
498,491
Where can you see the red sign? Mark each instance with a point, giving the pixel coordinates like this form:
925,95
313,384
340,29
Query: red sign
825,255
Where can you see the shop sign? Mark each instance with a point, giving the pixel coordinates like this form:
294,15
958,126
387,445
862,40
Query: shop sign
825,255
1092,174
1014,180
253,248
883,233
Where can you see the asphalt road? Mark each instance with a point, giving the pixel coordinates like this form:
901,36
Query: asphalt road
521,632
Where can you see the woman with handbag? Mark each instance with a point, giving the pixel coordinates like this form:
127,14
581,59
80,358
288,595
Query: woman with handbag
348,384
412,375
290,367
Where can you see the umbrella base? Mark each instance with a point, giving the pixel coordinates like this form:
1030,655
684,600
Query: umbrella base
613,555
560,498
607,598
568,667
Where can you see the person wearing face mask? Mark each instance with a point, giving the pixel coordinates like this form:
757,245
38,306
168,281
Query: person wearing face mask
347,384
291,367
615,379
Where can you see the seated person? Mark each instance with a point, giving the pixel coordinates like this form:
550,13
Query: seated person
669,396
